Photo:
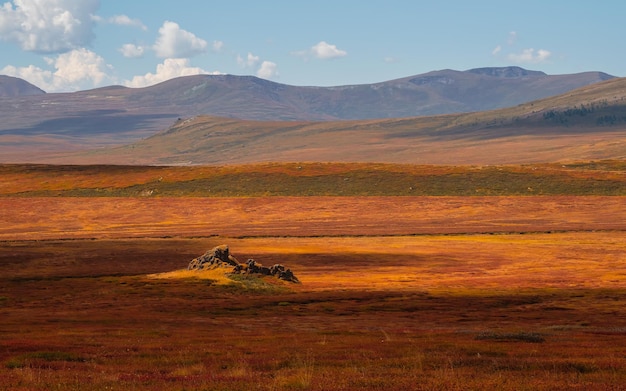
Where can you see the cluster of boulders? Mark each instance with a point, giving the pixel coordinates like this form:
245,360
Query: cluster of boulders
220,257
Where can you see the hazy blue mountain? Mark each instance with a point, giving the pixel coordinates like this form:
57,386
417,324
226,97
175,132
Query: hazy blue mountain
132,113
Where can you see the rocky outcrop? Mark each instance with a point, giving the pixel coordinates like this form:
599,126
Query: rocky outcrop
220,257
216,257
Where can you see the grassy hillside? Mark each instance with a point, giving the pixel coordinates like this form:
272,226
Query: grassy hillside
309,179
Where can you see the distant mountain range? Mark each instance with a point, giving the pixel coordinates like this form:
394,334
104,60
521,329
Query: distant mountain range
588,123
122,112
34,122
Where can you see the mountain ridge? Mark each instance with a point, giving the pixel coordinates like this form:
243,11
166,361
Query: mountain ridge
585,124
117,115
510,71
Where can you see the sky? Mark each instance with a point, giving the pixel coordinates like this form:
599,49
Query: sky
70,45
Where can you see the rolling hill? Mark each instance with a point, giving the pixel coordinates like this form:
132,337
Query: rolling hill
13,87
587,123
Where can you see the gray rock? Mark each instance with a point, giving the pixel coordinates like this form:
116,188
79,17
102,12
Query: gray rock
219,256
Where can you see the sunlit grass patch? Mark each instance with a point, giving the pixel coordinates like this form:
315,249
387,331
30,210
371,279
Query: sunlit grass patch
223,278
259,283
217,276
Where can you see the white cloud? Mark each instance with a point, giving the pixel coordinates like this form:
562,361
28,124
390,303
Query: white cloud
268,70
82,66
174,42
48,26
512,38
75,70
249,62
324,51
124,20
169,69
217,46
130,50
529,56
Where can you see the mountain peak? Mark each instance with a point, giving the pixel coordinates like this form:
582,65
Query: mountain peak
13,86
508,72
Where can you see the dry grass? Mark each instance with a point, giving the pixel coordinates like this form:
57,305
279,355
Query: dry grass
56,218
399,293
215,276
465,263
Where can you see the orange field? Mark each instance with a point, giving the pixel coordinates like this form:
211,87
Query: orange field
397,293
55,218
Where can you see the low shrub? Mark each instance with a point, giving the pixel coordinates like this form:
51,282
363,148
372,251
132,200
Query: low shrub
511,337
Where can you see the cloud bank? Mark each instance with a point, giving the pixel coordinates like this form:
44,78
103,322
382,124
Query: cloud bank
48,26
63,31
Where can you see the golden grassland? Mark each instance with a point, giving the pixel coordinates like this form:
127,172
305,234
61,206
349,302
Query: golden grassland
469,262
398,292
217,276
70,217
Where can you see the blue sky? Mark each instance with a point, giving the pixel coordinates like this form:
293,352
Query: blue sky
67,45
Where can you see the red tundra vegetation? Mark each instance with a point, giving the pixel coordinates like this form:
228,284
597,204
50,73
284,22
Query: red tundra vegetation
398,293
